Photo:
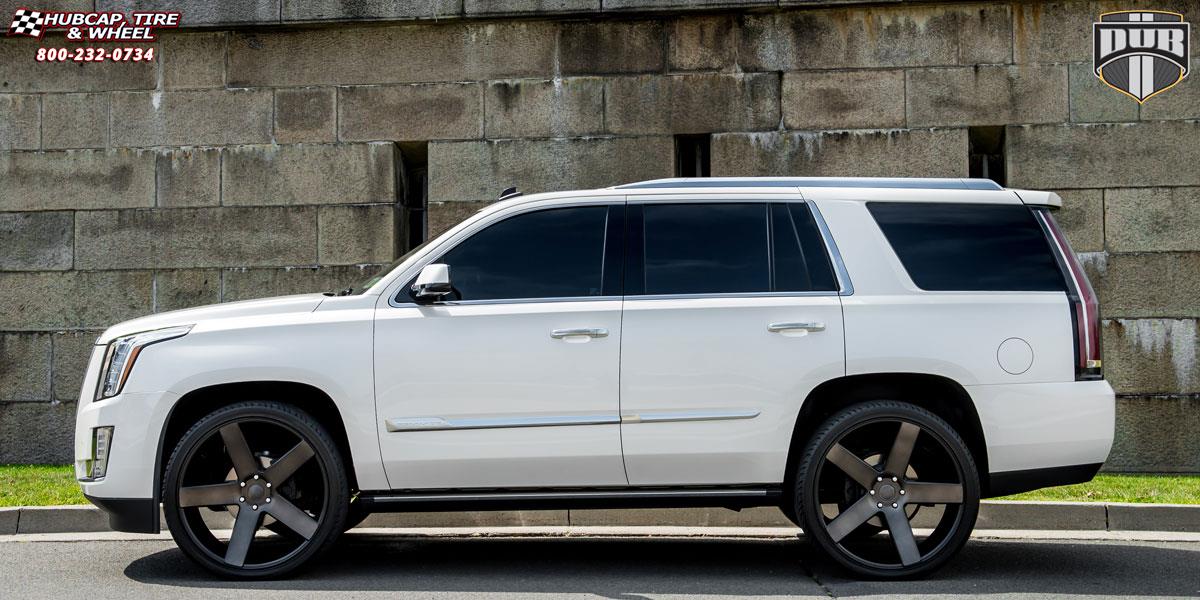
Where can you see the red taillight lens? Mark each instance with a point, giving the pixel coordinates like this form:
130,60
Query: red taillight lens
1085,306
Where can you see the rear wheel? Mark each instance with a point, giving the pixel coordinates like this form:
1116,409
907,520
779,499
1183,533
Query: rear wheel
874,467
276,470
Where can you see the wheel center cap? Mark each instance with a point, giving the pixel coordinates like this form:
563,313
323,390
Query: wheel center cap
255,493
886,492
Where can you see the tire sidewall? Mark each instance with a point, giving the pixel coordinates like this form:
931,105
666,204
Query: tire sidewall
337,495
812,518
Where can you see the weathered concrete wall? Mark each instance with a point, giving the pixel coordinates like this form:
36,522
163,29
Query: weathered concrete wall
263,160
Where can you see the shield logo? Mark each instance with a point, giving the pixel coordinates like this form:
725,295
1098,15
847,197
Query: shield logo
1141,53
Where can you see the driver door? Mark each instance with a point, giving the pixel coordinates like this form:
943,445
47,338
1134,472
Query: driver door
512,380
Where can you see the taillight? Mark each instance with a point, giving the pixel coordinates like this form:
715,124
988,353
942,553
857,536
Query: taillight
1085,307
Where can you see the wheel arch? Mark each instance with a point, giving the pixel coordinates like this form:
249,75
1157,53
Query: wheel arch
196,403
938,394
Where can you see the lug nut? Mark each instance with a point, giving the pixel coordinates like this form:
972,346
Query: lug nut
879,479
241,498
880,505
872,492
894,505
254,506
256,477
901,492
268,484
242,484
268,500
893,479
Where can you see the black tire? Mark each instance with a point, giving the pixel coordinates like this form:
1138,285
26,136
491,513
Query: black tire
305,489
938,471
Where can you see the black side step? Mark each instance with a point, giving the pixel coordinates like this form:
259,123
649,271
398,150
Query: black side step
426,501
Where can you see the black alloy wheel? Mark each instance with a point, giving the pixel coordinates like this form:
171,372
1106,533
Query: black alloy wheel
271,466
874,467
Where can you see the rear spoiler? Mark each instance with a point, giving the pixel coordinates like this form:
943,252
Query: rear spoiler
1036,198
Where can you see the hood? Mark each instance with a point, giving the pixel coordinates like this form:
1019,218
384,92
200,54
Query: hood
192,316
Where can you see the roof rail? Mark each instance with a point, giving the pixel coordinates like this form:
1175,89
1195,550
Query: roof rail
842,182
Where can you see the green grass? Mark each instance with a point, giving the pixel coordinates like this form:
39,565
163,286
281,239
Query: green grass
36,485
1165,489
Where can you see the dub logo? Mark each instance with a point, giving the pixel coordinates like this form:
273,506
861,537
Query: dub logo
1140,53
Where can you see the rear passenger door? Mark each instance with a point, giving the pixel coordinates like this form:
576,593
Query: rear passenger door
731,317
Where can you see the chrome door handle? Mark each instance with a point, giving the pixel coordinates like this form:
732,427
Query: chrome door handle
594,332
798,326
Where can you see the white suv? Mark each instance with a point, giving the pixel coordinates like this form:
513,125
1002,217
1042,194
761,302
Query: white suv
870,355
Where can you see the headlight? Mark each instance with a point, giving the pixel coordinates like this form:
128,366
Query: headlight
123,351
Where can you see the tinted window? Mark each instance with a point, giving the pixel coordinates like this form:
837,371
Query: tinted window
705,248
801,262
548,254
969,247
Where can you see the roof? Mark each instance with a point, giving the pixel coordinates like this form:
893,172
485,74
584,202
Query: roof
834,182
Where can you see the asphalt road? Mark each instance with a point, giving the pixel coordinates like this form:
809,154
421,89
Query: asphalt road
367,565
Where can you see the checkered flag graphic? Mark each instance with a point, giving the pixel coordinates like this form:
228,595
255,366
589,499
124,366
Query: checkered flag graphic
27,22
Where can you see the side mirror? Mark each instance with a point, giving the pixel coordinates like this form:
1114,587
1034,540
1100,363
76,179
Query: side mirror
432,283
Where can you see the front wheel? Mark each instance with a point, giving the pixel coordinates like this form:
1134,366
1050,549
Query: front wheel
874,467
271,466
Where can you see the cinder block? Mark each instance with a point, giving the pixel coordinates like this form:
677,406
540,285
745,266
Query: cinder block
1155,435
699,103
76,179
36,241
195,237
843,99
395,54
1094,102
185,288
1152,219
1126,155
702,43
25,367
308,174
684,517
1181,102
1042,515
186,118
540,108
356,234
893,153
987,95
598,47
1153,517
1152,356
1082,219
22,73
75,121
193,60
908,36
1054,32
73,299
247,284
411,112
19,122
340,10
441,216
478,171
1157,284
38,433
490,518
305,115
204,12
9,516
188,177
72,351
62,519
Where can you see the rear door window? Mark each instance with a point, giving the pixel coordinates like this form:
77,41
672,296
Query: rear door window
969,247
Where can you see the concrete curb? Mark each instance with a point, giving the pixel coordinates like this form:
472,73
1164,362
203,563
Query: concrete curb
999,515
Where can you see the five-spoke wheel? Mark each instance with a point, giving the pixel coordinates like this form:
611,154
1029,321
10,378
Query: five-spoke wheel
271,467
890,466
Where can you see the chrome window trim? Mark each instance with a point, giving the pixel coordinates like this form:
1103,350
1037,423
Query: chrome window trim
839,267
731,295
392,301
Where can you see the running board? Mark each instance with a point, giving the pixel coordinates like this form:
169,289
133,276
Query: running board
423,501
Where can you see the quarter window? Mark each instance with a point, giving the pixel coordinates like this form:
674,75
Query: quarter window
969,247
556,253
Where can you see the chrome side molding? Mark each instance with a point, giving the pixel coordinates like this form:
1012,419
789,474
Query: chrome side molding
403,424
688,415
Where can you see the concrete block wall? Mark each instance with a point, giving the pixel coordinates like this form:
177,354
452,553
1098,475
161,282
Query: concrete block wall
264,159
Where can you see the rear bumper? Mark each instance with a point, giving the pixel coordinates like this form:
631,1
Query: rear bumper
131,515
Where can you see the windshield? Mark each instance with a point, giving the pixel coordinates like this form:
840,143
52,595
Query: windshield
372,280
